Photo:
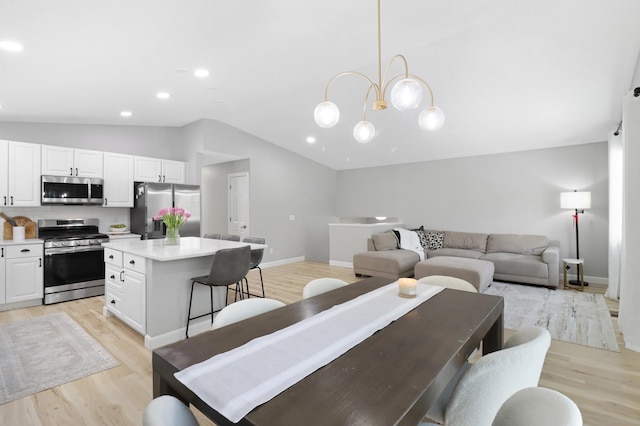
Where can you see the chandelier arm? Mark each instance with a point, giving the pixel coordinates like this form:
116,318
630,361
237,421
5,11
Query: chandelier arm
426,85
386,71
342,74
364,108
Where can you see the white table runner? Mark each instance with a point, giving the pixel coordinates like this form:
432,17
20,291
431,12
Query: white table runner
237,381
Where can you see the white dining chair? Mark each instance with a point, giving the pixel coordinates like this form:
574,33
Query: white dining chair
168,410
244,309
538,406
321,285
449,282
478,390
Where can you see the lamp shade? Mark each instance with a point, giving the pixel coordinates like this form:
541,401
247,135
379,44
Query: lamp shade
575,200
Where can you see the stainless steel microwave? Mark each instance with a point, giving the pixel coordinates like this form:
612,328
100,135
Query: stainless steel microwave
71,190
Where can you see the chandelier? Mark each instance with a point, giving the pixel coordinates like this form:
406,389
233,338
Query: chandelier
406,94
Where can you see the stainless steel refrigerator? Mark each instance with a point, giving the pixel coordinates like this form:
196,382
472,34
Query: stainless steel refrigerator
150,198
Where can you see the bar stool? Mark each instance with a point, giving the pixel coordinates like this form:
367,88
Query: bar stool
256,258
229,267
230,237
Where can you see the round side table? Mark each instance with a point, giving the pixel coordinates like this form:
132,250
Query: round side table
566,264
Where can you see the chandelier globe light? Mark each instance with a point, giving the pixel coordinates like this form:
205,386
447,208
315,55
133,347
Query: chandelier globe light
405,94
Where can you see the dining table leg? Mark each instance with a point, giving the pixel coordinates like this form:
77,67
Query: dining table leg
494,339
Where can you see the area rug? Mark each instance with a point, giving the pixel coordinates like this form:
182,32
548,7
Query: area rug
42,352
570,316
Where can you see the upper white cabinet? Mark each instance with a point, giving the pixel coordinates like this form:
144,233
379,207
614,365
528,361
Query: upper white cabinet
19,174
63,161
118,180
147,169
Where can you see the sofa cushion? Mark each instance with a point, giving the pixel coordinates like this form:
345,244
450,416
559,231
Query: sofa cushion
518,264
391,262
469,254
516,243
466,240
385,241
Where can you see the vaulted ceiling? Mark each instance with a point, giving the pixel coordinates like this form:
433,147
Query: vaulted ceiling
509,75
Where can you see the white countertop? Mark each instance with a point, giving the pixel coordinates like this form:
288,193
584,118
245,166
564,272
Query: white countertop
123,236
189,247
25,241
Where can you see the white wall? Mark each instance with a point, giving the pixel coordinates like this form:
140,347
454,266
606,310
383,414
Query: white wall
214,195
503,193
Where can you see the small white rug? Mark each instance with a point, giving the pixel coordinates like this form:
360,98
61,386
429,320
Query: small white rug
570,316
42,352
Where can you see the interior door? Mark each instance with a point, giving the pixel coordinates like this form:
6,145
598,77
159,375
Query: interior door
238,204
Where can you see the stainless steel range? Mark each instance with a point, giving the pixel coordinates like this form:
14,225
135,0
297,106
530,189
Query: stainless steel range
73,259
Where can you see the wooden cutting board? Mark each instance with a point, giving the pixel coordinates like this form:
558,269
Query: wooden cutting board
30,226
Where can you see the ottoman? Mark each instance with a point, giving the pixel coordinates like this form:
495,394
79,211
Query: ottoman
477,272
387,264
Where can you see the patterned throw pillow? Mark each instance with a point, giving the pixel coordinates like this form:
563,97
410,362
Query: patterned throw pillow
424,242
435,240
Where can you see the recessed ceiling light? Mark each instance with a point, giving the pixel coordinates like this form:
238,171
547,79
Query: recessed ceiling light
126,113
163,95
311,139
201,73
11,46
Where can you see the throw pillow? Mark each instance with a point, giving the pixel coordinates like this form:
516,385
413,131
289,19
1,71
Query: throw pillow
424,241
385,241
435,240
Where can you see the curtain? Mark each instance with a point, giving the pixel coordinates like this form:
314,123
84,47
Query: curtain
616,174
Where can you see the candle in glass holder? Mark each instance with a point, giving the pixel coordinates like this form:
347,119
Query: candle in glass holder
407,287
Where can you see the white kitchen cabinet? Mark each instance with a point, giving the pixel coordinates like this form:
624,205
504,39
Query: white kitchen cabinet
118,180
147,169
24,274
63,161
19,174
125,288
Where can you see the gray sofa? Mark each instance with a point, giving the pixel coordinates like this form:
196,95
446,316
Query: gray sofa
531,259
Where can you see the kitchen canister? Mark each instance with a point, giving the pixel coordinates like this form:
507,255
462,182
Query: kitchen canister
18,233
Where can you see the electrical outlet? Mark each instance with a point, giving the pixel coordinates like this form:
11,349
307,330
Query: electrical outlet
292,217
270,251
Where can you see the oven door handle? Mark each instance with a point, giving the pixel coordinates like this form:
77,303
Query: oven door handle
64,250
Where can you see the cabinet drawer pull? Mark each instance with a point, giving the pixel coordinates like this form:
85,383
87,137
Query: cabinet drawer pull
2,254
5,200
132,262
105,201
110,256
121,273
76,171
113,277
25,251
113,302
70,171
40,261
11,199
159,178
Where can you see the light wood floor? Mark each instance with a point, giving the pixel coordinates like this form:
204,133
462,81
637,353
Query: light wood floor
605,385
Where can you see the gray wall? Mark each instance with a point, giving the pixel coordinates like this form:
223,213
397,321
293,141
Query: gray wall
214,195
504,193
281,184
160,142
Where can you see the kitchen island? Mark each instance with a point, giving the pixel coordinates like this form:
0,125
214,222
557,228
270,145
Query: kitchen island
148,283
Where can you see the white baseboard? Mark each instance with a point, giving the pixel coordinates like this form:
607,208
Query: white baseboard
177,335
282,262
342,264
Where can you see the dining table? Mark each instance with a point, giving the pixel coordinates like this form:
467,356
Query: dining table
392,377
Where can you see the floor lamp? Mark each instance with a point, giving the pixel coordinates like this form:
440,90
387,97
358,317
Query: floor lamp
577,201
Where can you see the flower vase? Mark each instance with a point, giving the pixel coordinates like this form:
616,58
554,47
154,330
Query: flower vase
173,236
